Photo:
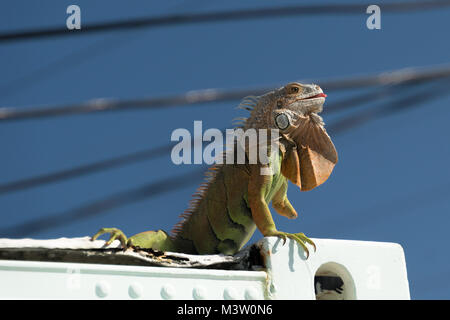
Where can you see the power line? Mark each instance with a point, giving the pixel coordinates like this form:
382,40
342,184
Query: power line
410,75
377,94
214,17
100,206
73,59
175,183
398,105
82,170
127,159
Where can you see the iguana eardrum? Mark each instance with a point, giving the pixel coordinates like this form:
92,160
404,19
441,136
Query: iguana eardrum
233,201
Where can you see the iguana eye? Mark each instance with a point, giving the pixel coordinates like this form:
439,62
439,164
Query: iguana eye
293,88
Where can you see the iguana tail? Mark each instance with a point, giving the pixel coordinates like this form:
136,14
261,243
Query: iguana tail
158,240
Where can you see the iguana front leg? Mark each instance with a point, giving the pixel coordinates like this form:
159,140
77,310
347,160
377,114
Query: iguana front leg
281,204
258,187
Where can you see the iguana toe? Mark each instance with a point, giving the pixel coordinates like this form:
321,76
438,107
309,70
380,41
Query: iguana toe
308,240
300,238
115,234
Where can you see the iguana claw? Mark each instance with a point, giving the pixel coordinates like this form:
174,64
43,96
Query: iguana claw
115,234
300,238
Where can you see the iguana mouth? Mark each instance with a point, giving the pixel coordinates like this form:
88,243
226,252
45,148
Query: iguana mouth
320,95
311,104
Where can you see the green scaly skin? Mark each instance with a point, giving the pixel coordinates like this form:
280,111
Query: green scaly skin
223,221
234,202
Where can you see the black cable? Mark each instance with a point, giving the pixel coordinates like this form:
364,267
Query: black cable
214,17
100,206
72,59
103,105
177,182
82,170
398,105
127,159
377,94
406,76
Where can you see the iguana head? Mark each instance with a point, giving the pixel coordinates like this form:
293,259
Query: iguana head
309,155
292,100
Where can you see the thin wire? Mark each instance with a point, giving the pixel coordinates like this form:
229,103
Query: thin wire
409,75
214,17
368,97
127,159
82,170
100,206
73,59
177,182
441,89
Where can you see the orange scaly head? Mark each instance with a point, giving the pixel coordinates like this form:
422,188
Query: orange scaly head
309,156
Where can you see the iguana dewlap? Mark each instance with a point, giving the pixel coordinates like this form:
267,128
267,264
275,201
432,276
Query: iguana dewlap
233,202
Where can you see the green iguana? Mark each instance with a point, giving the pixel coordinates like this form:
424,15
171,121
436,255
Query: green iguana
233,201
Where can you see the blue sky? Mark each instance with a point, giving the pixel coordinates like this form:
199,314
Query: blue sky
392,180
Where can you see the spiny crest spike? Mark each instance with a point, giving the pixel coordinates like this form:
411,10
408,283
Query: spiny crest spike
196,200
239,119
248,103
252,98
